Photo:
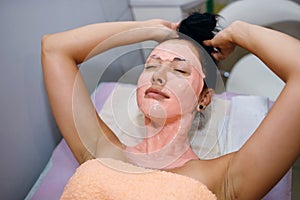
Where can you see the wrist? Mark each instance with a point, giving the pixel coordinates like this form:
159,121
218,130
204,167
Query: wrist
238,31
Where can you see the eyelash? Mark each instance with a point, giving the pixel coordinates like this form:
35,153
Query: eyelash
180,71
177,70
149,67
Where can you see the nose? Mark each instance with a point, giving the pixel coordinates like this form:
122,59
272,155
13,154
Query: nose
159,77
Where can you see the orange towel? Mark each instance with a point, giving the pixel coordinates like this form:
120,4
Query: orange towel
108,179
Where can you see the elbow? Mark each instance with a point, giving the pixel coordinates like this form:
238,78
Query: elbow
47,44
53,45
45,50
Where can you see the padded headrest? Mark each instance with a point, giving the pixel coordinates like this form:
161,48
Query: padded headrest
260,12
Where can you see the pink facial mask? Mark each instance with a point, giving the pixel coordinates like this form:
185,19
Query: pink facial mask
165,92
179,92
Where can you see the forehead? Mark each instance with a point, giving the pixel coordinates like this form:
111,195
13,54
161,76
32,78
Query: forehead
178,49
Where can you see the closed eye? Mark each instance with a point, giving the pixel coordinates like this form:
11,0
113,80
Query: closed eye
149,66
180,71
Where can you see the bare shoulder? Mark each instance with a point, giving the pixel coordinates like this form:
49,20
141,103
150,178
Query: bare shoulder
213,173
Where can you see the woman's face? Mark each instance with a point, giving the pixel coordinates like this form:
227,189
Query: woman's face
171,82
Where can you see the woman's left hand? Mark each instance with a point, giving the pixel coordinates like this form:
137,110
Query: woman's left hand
162,29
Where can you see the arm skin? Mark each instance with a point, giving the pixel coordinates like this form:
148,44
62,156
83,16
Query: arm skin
68,96
275,145
249,173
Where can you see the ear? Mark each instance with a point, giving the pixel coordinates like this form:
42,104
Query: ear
205,99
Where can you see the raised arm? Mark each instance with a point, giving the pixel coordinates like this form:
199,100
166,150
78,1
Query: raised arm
68,96
275,145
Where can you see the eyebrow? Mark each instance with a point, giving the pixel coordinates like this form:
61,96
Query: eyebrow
174,59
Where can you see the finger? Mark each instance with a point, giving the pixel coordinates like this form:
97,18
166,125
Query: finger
174,34
207,42
175,26
216,50
218,56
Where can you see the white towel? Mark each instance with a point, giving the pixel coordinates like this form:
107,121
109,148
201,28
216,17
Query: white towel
246,114
121,113
206,140
228,124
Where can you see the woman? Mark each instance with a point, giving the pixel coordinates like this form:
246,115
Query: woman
246,174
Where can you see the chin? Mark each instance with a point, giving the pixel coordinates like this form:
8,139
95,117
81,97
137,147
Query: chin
152,108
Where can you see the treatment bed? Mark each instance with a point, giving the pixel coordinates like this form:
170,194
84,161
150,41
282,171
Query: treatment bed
208,142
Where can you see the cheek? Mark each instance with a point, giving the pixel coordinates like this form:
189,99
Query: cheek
183,95
197,82
144,83
144,78
186,91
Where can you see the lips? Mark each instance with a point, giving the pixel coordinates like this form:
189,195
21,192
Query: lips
156,94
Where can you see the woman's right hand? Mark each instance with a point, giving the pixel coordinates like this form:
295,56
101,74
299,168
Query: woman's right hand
223,43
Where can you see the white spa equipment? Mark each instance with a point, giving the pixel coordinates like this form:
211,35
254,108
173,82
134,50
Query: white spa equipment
249,75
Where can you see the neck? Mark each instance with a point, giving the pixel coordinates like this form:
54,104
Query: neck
166,143
164,134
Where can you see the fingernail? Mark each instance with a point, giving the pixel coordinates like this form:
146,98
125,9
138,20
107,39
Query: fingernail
216,50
